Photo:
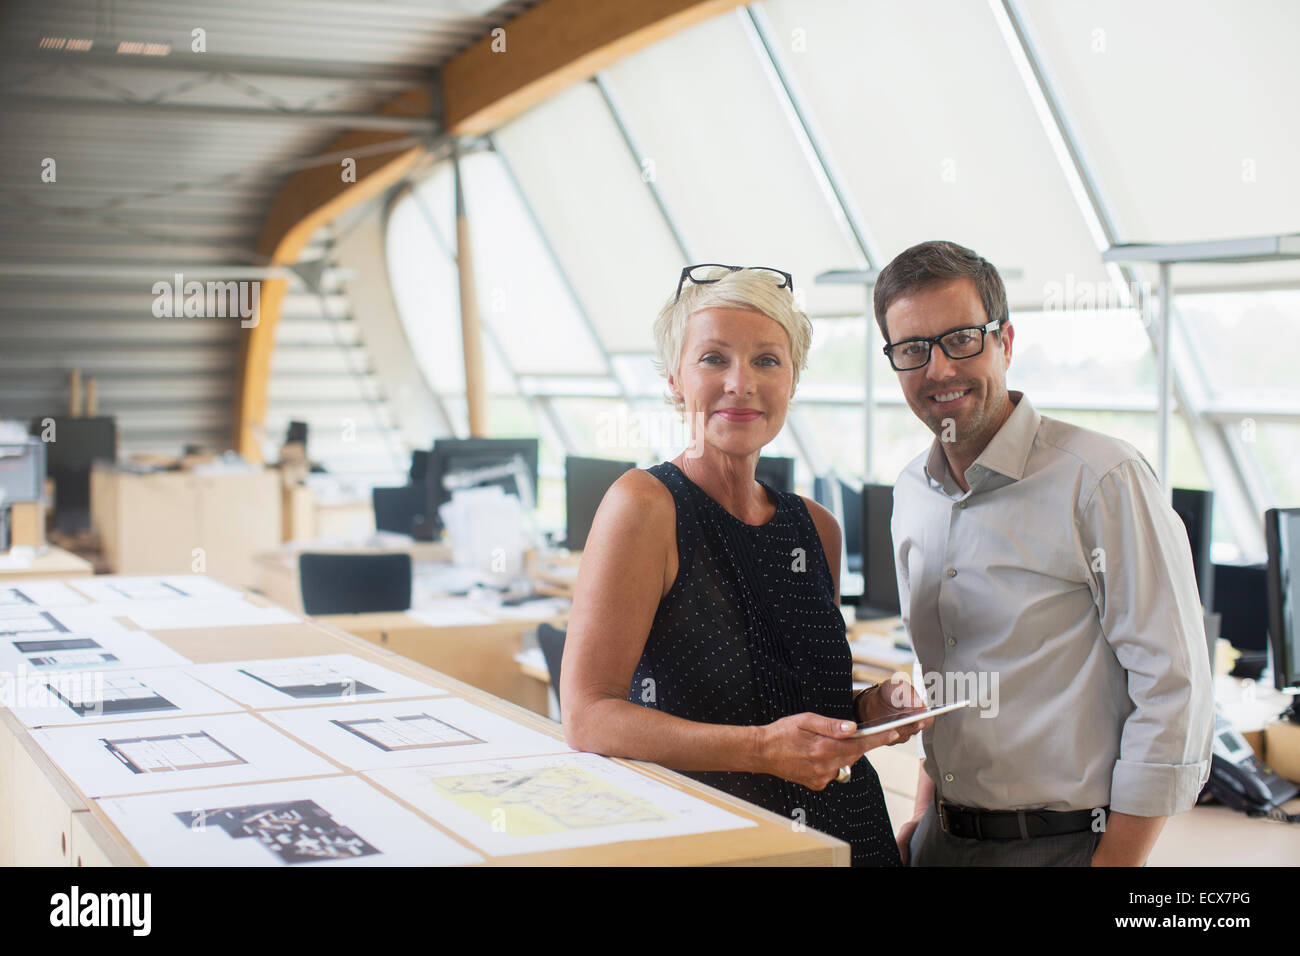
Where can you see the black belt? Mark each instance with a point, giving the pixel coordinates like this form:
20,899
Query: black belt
973,824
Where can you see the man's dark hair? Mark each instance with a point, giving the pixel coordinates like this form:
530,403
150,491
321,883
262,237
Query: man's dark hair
930,263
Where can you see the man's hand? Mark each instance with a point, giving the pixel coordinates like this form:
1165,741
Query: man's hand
904,838
895,697
1127,840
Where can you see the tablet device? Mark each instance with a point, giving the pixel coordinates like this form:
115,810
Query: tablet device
891,721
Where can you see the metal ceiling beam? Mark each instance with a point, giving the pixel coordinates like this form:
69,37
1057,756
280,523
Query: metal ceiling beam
1228,474
158,270
560,271
58,110
1254,249
179,61
638,158
758,31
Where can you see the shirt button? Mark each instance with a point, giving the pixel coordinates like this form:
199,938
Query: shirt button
952,642
948,777
951,572
961,504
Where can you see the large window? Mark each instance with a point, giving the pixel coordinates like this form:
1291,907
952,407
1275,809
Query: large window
784,133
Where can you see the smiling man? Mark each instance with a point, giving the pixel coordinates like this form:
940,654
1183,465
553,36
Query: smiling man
1044,556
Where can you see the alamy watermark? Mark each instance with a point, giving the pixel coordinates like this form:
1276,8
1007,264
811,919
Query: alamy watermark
950,687
207,300
1087,295
626,431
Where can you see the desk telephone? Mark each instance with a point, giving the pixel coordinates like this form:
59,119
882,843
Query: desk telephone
1239,779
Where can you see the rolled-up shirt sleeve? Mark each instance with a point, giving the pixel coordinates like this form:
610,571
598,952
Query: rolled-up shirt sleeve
1144,586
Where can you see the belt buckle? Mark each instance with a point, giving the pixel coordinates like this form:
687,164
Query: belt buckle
943,815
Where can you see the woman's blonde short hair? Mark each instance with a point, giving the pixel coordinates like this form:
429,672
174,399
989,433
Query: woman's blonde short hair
756,290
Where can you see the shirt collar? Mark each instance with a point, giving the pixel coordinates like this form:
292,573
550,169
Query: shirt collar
1006,453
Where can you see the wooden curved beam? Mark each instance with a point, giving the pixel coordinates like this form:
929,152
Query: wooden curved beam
552,46
312,198
542,51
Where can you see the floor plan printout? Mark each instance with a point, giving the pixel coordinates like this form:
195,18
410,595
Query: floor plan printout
18,620
169,615
49,651
81,697
299,681
530,804
112,589
168,602
43,594
321,822
371,736
143,756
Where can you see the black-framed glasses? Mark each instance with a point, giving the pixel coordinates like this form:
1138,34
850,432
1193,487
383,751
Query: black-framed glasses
957,344
698,274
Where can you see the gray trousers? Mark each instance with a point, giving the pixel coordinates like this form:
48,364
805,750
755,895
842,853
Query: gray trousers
930,846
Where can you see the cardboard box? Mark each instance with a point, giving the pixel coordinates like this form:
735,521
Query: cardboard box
1282,748
179,523
27,524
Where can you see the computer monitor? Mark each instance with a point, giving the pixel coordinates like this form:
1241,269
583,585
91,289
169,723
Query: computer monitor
1196,508
878,569
777,472
1241,600
73,446
419,467
1282,534
847,511
399,510
460,455
585,482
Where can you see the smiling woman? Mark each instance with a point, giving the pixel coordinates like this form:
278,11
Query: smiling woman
705,633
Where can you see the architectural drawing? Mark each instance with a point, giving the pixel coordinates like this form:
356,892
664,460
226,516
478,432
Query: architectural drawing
304,681
64,653
307,679
168,753
333,820
374,734
552,802
120,694
14,597
144,589
407,732
299,831
22,620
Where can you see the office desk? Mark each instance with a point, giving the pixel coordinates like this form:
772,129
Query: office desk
46,820
482,655
52,562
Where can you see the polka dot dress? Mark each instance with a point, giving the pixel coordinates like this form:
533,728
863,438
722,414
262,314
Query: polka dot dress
750,633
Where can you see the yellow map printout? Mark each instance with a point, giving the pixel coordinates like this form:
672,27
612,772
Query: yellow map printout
545,800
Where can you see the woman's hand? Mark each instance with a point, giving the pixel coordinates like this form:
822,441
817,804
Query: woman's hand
896,697
810,749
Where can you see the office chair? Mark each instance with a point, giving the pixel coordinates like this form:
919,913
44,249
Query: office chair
354,583
551,640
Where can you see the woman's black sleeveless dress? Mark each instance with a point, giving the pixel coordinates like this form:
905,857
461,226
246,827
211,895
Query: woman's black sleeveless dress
750,633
